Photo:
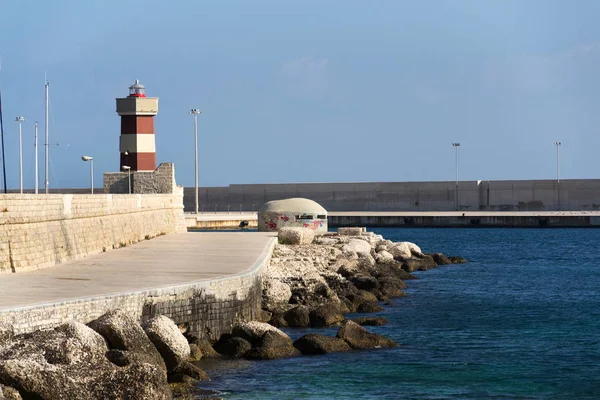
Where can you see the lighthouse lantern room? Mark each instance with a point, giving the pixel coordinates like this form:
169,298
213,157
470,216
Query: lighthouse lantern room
137,145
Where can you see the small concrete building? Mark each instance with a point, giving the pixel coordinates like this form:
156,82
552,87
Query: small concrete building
297,212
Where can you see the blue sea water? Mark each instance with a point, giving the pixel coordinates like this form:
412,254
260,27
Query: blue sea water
521,320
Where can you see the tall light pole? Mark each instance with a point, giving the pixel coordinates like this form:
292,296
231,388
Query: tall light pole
91,160
20,121
35,148
195,112
557,144
456,146
128,169
47,144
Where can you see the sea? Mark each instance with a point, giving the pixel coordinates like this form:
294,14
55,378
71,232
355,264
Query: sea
521,320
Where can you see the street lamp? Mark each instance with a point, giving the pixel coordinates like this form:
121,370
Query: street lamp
20,121
456,146
128,169
91,160
195,112
557,144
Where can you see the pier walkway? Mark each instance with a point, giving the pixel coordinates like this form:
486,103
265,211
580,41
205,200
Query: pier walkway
164,261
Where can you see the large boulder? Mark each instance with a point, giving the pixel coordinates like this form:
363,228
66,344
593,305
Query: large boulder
365,282
404,250
320,344
295,236
253,331
233,347
297,317
272,346
69,363
423,263
124,333
205,348
325,315
357,246
440,259
275,293
359,338
457,260
9,393
168,340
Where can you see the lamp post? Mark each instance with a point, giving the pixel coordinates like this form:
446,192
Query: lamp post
195,112
128,169
456,146
557,144
20,121
91,160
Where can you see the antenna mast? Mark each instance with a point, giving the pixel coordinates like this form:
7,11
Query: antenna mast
47,158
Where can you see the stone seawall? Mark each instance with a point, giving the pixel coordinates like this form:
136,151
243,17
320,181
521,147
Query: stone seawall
206,308
38,231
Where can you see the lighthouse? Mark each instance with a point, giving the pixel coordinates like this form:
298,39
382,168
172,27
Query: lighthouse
137,145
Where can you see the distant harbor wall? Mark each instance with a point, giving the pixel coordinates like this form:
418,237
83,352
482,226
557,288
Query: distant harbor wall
525,195
38,231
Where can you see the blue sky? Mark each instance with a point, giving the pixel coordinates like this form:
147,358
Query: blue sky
310,91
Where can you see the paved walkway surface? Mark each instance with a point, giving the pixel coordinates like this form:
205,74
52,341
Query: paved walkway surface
164,261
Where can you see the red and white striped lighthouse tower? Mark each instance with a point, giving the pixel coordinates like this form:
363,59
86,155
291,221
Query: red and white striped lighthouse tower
137,144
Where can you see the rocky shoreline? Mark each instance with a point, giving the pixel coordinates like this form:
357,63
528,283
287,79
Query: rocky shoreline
310,282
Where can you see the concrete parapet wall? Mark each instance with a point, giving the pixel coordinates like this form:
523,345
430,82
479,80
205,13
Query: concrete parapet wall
525,195
38,231
207,308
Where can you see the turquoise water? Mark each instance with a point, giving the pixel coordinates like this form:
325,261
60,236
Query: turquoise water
520,321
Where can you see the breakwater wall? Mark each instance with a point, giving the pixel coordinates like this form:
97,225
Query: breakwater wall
509,195
544,219
38,231
207,308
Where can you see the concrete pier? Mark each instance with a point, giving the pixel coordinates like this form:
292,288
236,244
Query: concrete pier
430,219
203,280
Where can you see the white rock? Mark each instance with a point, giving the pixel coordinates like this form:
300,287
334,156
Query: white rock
405,250
384,255
326,241
277,291
168,339
357,246
253,331
289,235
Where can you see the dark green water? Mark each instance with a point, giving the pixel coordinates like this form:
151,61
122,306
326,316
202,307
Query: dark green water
520,321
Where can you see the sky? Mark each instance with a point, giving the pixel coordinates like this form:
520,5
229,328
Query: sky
309,91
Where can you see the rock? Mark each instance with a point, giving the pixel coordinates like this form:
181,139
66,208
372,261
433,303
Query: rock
325,315
383,255
359,338
364,282
123,332
392,286
195,353
253,331
457,260
359,297
369,307
351,231
168,340
69,363
320,344
365,261
191,370
272,346
275,292
347,255
295,236
9,393
404,250
357,246
297,317
370,321
233,347
419,264
206,348
391,268
440,259
325,241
